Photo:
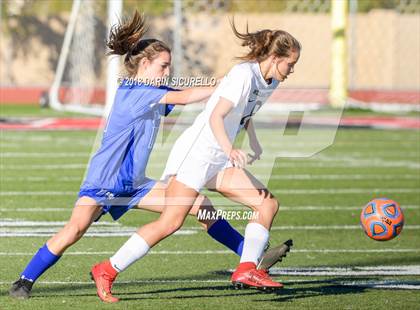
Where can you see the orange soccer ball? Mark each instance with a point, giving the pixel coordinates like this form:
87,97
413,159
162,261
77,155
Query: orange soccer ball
382,219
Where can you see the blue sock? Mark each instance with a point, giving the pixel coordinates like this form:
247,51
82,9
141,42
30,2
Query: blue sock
224,233
40,262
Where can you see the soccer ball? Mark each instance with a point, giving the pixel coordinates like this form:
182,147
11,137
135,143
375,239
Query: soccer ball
382,219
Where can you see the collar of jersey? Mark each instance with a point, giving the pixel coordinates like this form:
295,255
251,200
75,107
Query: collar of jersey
260,76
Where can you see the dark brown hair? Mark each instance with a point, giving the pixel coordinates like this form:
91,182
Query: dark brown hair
125,39
265,43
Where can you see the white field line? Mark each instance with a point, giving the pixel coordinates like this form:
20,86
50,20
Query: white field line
28,138
60,167
395,285
45,193
44,155
278,191
326,251
336,156
282,208
35,179
163,155
19,224
343,177
18,228
404,285
40,210
332,227
44,167
310,208
224,252
42,137
296,148
363,161
343,164
313,163
410,270
268,146
125,282
345,191
101,233
5,222
273,177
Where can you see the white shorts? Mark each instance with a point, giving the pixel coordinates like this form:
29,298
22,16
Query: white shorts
193,164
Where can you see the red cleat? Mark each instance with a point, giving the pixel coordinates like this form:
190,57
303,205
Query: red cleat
246,275
103,274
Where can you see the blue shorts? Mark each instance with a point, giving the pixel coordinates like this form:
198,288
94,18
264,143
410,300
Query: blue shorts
117,203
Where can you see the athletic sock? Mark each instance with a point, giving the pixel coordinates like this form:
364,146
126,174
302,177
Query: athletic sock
224,233
40,262
134,249
256,238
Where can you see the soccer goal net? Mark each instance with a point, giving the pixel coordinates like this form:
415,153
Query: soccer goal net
84,80
204,46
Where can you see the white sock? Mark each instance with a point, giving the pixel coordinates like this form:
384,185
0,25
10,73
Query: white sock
256,238
134,249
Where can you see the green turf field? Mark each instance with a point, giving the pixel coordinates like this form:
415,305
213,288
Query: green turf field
321,199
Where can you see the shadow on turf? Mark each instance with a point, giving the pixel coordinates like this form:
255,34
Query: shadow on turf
289,294
44,291
317,288
217,289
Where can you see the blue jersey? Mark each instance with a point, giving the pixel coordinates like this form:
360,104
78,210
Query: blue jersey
120,163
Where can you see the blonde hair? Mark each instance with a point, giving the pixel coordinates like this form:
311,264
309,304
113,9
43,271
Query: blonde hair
125,39
265,43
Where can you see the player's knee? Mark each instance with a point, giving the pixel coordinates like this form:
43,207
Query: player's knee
272,205
201,205
205,208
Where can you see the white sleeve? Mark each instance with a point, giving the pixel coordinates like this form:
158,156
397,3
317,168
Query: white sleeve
236,86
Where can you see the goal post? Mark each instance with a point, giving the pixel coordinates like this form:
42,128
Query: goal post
338,82
76,85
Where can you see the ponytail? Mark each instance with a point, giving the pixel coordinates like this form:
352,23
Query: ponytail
124,36
265,43
126,39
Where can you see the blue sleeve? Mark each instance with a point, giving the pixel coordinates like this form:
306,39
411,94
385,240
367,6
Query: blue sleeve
145,98
165,109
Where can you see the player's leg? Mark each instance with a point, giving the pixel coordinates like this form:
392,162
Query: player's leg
138,245
84,213
218,228
240,186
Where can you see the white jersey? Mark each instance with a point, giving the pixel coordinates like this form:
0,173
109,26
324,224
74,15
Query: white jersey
197,155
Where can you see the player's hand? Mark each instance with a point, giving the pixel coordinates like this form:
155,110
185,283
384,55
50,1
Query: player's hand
238,158
257,149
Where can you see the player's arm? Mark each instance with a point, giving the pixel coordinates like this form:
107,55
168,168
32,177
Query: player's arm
217,125
186,96
253,141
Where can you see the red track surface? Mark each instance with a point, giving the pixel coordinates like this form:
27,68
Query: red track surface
31,95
